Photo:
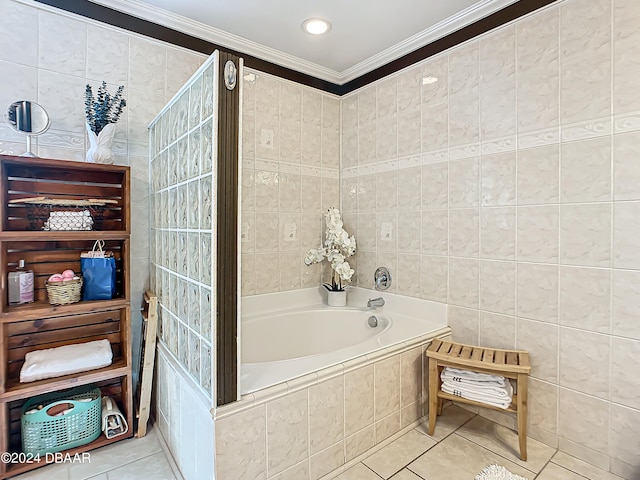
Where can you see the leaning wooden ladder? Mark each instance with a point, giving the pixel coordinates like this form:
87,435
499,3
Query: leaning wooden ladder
512,364
147,360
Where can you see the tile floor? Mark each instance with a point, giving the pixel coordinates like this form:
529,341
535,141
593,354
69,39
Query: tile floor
462,445
131,459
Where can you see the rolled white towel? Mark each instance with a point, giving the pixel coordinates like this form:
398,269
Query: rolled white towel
498,392
458,375
487,399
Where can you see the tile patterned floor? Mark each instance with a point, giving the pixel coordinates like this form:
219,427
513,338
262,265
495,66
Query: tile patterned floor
462,445
131,459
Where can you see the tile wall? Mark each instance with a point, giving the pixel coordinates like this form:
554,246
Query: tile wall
48,57
182,153
290,170
510,189
183,418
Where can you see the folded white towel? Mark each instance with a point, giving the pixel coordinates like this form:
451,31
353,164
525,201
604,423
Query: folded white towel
458,375
488,399
498,392
54,362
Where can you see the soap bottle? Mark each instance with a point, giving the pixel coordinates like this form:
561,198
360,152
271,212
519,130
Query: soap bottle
20,285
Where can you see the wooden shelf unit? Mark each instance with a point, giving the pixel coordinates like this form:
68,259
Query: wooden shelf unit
39,325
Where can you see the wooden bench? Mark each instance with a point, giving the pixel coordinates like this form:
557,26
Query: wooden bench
513,364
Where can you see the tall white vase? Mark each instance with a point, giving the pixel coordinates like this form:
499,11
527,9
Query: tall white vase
100,145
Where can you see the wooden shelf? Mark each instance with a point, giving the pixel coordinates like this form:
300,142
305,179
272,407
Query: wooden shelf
101,441
37,235
16,390
40,325
42,309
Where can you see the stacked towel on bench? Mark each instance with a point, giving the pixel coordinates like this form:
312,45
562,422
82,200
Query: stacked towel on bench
490,389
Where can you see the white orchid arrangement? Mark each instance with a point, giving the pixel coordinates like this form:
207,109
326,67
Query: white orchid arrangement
336,248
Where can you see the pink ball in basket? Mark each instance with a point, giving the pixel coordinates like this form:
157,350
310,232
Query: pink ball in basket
56,277
68,275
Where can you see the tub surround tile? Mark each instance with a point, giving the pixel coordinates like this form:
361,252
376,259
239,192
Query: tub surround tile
326,461
387,427
386,390
297,472
287,431
359,395
240,444
358,443
411,376
326,414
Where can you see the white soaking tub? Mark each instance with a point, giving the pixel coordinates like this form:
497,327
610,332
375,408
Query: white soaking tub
290,334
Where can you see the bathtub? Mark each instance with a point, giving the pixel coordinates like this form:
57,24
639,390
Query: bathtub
290,334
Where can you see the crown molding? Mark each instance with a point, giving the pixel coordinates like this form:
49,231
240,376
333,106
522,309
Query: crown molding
139,9
441,29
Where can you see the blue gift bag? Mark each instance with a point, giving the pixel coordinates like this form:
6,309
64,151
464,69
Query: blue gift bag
99,278
99,273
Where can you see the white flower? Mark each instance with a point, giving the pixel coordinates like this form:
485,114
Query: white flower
337,246
344,270
315,255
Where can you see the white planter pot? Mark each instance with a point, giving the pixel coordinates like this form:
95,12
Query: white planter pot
100,145
336,299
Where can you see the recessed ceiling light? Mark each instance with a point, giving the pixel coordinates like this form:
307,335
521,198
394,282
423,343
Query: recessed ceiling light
429,80
316,26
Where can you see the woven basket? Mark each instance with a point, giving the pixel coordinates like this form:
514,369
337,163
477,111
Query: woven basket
64,293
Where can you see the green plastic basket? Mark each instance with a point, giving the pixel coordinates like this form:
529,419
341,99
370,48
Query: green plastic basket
43,433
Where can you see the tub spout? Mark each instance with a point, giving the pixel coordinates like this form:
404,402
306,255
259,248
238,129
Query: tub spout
375,302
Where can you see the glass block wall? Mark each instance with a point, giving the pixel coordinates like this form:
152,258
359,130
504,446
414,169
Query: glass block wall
182,170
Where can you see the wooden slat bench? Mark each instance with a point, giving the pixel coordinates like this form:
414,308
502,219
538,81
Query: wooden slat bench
512,364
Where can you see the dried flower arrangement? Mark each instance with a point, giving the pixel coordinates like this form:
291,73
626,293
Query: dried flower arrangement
104,109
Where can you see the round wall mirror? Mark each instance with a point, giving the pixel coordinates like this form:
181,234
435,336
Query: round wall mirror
29,118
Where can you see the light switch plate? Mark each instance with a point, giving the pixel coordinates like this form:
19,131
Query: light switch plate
266,138
386,231
290,232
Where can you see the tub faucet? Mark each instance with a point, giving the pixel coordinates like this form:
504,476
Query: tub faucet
375,302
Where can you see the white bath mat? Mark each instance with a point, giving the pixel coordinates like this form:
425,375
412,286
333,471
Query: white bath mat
497,472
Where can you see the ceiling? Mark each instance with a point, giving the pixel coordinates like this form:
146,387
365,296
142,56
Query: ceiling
365,34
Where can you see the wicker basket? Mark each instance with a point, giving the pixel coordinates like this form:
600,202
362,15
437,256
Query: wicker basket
65,292
43,433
